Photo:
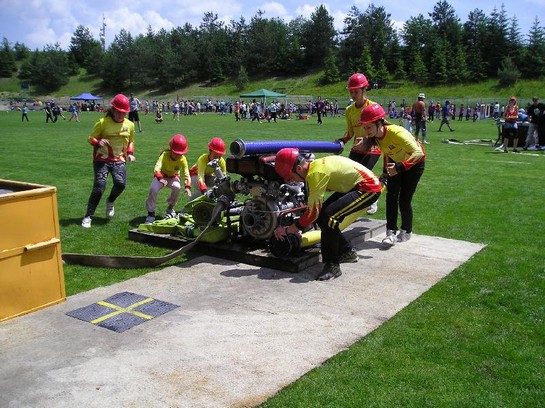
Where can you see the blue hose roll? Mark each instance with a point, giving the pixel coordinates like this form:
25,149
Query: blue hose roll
240,148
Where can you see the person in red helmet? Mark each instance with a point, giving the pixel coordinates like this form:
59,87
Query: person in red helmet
354,188
170,164
202,175
359,151
404,161
112,139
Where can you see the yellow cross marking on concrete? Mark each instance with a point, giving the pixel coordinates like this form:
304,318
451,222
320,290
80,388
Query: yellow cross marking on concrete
119,310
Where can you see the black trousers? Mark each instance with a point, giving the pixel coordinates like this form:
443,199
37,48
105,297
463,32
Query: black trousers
333,212
400,191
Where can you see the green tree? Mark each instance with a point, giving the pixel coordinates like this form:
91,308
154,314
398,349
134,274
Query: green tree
319,37
418,71
474,34
22,52
365,64
534,62
7,60
117,70
47,70
331,73
83,47
508,74
242,79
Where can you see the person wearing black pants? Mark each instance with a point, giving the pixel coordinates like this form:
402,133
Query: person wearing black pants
403,166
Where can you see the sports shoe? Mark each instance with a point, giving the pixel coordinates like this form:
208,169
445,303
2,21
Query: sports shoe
390,239
110,210
403,236
349,257
329,272
373,208
170,214
86,222
149,219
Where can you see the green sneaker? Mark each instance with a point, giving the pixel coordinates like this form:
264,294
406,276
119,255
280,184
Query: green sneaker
329,272
349,257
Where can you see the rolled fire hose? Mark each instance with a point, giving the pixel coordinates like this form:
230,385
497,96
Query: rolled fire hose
130,262
240,148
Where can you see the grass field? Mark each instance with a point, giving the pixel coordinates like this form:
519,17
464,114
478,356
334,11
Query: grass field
476,339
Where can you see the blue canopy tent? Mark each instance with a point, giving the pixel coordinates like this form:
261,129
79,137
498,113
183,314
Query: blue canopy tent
86,96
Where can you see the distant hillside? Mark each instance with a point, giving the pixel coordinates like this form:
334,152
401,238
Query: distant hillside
295,87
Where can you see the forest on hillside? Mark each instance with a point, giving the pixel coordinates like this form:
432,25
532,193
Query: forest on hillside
429,50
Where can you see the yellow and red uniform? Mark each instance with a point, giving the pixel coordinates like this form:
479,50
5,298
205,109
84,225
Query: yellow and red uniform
399,146
167,167
120,137
355,130
338,174
202,170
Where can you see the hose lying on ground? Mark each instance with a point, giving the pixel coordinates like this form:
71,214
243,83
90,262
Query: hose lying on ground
131,262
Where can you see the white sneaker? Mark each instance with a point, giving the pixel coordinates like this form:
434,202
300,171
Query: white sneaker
403,236
149,219
373,208
390,239
110,210
86,222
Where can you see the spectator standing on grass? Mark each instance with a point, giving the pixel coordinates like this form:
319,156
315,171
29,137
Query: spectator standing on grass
419,112
48,113
319,106
170,164
112,139
431,111
510,127
135,106
445,113
536,128
359,152
404,162
461,114
74,113
24,111
354,188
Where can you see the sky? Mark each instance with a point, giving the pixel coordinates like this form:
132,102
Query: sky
37,23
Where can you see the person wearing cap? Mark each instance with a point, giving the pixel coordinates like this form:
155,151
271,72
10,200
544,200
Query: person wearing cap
510,127
359,151
112,139
536,128
419,109
170,164
404,162
354,188
202,175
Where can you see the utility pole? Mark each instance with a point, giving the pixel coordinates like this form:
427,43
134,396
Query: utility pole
103,34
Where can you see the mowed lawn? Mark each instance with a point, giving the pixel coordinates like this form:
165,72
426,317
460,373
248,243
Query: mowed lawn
476,339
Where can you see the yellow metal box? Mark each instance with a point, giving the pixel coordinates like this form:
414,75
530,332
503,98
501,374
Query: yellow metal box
31,274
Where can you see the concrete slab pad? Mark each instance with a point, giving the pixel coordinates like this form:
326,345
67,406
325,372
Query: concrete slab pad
240,333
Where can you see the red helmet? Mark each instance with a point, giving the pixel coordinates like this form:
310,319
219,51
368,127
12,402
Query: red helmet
217,145
178,144
285,161
372,113
357,81
121,103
